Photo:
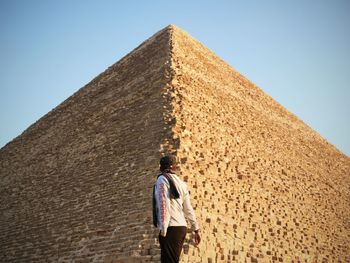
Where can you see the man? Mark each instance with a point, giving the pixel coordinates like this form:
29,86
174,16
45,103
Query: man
171,204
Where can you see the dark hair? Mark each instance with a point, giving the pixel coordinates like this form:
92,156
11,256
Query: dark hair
166,162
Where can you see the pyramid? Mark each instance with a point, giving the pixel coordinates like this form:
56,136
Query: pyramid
76,185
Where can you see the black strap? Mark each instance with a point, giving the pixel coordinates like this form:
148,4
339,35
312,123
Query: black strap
154,206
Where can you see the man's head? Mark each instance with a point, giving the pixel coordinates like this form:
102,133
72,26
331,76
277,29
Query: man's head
167,162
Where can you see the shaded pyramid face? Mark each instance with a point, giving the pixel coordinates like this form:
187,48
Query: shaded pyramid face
76,185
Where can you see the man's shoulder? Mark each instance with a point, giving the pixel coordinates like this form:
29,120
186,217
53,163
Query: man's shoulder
174,176
161,178
180,182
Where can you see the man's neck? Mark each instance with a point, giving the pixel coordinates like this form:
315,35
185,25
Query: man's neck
169,171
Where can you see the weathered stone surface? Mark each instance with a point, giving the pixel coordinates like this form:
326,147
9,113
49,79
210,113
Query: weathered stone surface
76,185
265,185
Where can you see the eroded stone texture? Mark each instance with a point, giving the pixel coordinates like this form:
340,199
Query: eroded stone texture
76,185
266,187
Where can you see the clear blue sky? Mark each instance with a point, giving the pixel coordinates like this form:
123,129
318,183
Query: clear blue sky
297,51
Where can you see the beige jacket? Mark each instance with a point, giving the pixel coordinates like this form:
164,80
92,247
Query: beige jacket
173,212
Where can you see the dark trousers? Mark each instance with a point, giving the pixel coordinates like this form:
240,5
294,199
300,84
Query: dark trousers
171,244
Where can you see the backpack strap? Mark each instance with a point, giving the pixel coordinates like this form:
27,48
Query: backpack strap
154,207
